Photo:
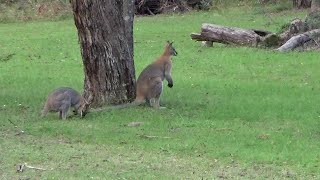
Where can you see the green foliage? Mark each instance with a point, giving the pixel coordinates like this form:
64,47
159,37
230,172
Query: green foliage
284,27
22,10
271,40
312,21
205,5
236,113
274,8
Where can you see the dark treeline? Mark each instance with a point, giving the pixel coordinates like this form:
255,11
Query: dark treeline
57,9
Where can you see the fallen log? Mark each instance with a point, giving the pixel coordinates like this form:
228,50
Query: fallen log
295,27
233,35
299,40
292,37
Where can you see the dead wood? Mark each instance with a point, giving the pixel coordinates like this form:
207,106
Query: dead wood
21,167
152,7
36,168
232,35
152,137
134,124
293,36
295,27
299,40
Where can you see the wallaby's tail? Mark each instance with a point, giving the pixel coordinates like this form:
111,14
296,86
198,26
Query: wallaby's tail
121,106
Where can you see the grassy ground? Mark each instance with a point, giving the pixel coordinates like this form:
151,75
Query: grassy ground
236,113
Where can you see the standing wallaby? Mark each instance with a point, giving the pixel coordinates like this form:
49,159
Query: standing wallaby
61,99
149,83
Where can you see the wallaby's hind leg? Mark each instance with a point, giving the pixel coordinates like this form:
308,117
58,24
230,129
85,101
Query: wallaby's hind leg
155,94
157,103
139,100
152,102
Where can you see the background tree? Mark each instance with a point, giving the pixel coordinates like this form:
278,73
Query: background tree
301,3
315,5
106,41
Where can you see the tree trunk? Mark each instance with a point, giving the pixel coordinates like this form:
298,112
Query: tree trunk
128,14
301,3
106,41
315,5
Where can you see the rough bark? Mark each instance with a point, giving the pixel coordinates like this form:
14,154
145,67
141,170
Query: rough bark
128,15
315,5
227,35
301,3
105,35
299,40
290,38
268,1
153,7
232,35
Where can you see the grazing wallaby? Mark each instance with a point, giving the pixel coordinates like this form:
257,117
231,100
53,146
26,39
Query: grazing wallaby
61,99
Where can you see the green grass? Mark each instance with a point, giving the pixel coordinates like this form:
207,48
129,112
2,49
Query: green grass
234,112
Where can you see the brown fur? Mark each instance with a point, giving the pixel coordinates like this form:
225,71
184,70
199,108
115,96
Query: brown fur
149,83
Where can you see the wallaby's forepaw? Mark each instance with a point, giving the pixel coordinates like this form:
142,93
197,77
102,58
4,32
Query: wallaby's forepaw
170,85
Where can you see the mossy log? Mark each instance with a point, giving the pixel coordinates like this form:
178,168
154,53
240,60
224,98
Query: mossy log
235,35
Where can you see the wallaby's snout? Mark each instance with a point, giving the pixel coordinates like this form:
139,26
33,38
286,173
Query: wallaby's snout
83,114
172,50
84,107
175,53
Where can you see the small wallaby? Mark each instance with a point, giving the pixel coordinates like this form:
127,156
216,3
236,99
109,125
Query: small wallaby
61,99
149,83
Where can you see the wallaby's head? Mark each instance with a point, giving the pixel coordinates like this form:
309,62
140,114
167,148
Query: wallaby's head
170,49
83,108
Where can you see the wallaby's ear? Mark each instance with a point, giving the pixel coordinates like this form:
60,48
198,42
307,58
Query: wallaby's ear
169,42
